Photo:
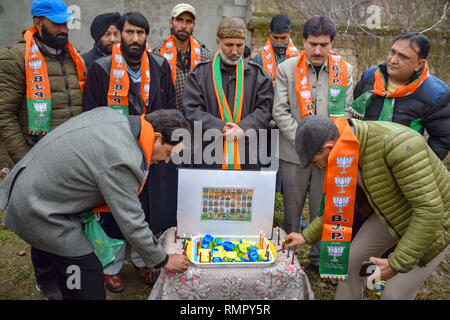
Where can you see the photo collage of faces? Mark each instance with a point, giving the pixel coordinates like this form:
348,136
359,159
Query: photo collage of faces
232,204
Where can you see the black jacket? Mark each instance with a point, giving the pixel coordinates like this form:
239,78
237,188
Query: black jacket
428,106
90,56
162,91
200,103
158,194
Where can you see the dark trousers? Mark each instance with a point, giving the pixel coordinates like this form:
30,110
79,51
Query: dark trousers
78,278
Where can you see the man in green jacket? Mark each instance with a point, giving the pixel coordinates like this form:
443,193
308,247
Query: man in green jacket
402,193
41,83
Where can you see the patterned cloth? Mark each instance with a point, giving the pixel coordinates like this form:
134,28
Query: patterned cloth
282,280
182,72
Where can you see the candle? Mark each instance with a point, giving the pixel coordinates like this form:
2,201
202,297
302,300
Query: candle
278,234
260,237
209,255
184,240
283,244
267,251
201,239
293,255
175,240
185,248
289,250
200,258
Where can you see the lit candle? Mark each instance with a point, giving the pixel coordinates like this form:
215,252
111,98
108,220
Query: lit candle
278,233
260,238
267,251
175,240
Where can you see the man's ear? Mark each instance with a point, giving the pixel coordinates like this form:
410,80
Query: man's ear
420,64
290,33
328,145
218,42
158,137
38,24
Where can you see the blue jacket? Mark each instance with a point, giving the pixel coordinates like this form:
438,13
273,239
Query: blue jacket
428,108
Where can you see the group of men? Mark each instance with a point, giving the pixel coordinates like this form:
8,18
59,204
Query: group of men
93,156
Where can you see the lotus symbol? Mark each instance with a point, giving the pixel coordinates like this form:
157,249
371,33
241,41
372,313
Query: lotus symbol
336,59
342,182
335,251
340,202
119,59
33,49
304,82
35,64
41,107
305,94
335,93
118,74
344,162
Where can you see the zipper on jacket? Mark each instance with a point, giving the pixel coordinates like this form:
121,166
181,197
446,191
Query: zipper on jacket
66,80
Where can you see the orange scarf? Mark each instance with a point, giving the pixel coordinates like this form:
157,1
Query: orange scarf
337,84
39,102
146,141
379,87
268,57
119,81
338,203
169,51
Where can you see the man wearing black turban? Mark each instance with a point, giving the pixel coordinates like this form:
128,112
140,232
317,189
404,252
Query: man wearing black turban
105,34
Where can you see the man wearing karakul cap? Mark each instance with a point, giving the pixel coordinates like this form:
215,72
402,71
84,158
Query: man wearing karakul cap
105,34
235,77
41,86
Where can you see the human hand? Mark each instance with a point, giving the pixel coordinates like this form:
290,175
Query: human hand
383,270
177,263
231,131
294,239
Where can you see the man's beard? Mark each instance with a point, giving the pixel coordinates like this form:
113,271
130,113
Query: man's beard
181,37
104,48
52,40
228,61
132,53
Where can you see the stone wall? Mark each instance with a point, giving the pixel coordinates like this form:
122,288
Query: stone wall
15,17
365,28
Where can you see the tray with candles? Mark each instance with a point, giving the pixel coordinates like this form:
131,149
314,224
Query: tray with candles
230,251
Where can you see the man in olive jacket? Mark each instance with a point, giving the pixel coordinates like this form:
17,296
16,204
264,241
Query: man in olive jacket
403,195
66,96
64,83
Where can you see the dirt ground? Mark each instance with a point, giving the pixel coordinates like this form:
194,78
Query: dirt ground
17,280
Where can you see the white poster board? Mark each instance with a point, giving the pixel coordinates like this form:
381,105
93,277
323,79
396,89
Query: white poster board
238,203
